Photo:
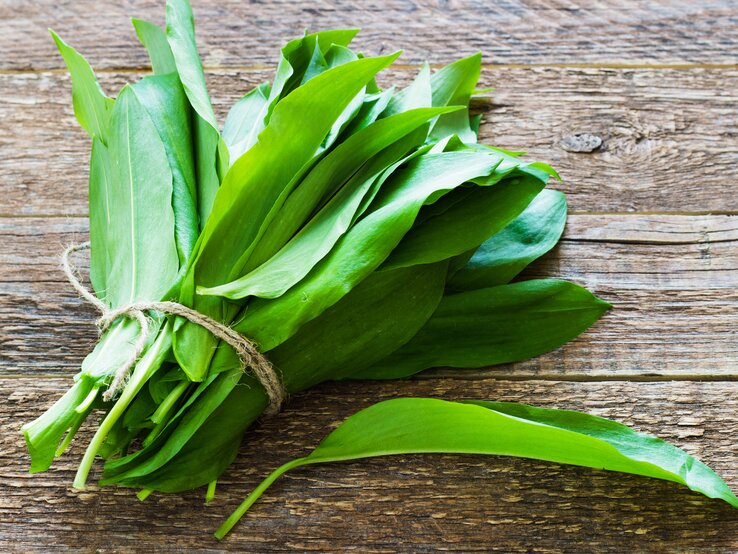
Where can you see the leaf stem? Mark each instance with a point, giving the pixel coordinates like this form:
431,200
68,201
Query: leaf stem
166,405
146,366
210,494
87,402
76,424
239,512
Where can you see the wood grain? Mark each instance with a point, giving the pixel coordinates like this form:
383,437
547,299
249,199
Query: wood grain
233,33
671,278
649,89
404,503
669,140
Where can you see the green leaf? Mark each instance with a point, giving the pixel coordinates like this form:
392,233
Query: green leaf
494,325
164,100
142,245
314,241
244,121
181,36
100,217
372,107
378,316
364,247
154,39
211,153
416,95
255,188
505,254
44,434
295,58
481,213
425,425
454,85
91,106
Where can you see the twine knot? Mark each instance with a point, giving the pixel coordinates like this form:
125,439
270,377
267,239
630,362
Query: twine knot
247,351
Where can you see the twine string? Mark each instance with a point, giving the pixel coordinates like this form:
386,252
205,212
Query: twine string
247,351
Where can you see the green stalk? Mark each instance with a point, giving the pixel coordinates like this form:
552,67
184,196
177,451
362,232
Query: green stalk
145,368
87,402
76,424
162,411
239,512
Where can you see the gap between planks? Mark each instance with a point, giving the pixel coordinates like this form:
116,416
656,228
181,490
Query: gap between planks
410,67
492,374
666,213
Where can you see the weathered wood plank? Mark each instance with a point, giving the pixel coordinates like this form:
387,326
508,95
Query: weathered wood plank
407,503
508,32
672,280
669,137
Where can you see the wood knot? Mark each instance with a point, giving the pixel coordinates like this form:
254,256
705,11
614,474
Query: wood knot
581,142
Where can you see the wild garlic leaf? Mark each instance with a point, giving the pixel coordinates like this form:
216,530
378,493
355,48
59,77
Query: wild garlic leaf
100,217
295,57
44,434
371,108
180,34
292,262
254,189
364,247
453,85
505,254
494,325
426,425
154,39
375,318
211,154
163,98
91,106
416,95
244,121
142,246
466,224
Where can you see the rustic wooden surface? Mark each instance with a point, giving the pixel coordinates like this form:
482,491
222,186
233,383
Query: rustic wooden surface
653,231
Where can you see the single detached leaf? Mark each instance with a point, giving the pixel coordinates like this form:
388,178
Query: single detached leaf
91,106
494,325
425,425
507,253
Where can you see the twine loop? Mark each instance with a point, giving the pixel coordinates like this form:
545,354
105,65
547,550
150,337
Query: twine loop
247,351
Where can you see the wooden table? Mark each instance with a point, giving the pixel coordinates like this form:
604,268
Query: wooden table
652,229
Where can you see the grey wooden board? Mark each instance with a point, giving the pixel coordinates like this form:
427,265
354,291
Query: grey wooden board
232,32
669,136
397,504
654,82
671,279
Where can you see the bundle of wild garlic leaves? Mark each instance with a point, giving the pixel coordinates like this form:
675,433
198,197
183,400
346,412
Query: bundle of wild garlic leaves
352,232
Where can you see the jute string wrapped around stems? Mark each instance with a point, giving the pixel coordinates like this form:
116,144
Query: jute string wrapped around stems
247,351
